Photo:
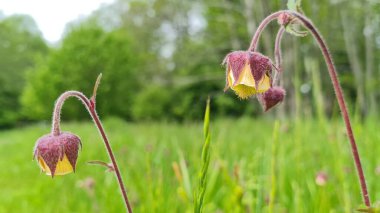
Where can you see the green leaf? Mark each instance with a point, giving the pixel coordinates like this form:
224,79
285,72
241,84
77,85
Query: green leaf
369,209
290,28
298,5
294,5
202,182
206,123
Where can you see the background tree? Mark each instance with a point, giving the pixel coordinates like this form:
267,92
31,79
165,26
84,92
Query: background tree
86,51
20,43
161,59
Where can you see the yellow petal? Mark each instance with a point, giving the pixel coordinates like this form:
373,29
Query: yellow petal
230,78
42,164
244,91
246,77
264,84
63,167
245,86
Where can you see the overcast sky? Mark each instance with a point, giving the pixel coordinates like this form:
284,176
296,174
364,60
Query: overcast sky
51,16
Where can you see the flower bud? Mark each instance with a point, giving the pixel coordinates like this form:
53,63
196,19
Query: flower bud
271,97
57,155
284,19
247,73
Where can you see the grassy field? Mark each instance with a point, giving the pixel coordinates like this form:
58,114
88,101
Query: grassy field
245,169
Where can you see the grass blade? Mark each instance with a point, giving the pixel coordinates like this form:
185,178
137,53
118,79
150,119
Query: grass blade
200,192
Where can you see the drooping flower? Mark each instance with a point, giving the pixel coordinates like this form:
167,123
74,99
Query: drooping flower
247,73
271,97
57,155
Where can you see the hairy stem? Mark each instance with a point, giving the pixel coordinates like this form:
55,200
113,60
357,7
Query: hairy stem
263,24
339,95
277,54
334,79
91,109
58,108
99,125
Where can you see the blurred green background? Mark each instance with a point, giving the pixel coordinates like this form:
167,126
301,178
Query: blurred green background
160,60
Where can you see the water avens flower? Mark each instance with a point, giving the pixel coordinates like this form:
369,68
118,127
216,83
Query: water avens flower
57,155
247,73
240,80
57,152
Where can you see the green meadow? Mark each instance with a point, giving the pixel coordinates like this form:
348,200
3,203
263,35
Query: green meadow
160,60
250,170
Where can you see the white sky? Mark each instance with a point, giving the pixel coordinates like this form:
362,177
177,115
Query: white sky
51,16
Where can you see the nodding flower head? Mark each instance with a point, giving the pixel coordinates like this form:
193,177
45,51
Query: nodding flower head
271,97
247,73
57,155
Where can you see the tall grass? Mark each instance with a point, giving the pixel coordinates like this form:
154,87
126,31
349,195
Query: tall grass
202,182
239,174
274,166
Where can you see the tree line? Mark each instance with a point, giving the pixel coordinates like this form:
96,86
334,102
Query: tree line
161,59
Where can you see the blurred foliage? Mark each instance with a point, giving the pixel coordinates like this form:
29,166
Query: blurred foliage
151,102
161,59
86,50
20,44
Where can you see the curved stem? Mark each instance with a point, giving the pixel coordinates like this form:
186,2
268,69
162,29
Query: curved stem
339,95
277,54
263,24
58,108
334,79
91,109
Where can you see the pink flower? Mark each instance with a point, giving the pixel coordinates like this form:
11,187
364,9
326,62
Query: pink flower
321,178
57,155
247,73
